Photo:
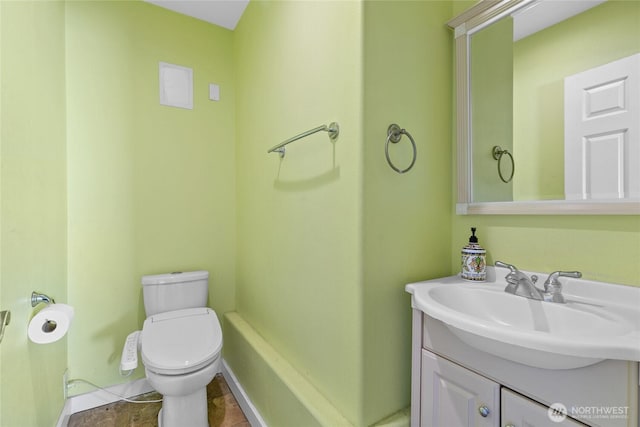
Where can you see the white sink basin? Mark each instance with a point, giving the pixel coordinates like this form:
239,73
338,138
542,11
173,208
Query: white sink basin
599,321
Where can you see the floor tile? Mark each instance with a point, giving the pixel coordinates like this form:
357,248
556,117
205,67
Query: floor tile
224,410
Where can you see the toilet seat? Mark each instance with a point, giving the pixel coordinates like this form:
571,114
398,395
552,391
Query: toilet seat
181,341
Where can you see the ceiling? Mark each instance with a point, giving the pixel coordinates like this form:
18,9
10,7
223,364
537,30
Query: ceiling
528,20
225,13
542,14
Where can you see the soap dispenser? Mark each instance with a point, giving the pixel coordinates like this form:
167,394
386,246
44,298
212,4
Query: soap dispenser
474,260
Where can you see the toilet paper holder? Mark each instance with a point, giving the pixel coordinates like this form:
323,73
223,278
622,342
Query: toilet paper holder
37,298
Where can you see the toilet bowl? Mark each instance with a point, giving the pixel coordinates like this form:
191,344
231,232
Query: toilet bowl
181,354
180,348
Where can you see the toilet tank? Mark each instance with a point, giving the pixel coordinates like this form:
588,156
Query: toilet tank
175,291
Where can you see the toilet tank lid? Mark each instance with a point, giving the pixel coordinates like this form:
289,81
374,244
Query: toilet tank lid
177,276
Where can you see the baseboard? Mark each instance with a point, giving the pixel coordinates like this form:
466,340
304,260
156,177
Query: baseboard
250,411
63,419
96,398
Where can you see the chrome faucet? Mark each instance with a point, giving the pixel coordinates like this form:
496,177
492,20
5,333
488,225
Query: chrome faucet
520,284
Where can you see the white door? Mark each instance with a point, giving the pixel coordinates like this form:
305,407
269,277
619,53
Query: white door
602,135
453,396
518,411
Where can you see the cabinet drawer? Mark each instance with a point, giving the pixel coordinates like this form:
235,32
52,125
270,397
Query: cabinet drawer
518,411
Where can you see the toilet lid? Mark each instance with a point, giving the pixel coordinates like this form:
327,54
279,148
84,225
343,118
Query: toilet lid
181,341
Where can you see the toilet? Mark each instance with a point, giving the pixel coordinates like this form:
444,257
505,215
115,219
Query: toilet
180,345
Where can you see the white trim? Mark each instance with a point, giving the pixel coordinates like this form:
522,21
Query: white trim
554,207
461,208
63,419
96,398
250,411
460,30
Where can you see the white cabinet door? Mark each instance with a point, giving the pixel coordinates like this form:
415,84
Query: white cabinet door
518,411
453,396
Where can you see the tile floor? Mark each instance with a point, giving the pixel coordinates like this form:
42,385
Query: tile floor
224,411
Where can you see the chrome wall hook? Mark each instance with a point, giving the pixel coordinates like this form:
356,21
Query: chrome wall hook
5,319
394,134
497,153
37,298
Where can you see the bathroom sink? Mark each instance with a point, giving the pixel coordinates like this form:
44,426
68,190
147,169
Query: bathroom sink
599,321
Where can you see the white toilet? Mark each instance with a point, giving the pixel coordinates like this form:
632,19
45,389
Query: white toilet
180,344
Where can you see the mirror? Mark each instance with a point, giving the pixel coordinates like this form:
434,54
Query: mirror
527,142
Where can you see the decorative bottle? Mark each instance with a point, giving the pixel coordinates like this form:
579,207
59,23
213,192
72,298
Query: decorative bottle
474,261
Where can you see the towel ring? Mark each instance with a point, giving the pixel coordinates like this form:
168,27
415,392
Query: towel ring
497,154
394,134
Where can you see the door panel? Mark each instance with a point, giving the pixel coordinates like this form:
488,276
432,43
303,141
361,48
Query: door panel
602,131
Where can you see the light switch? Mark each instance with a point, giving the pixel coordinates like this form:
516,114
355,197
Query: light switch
214,92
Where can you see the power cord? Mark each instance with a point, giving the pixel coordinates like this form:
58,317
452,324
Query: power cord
80,380
128,373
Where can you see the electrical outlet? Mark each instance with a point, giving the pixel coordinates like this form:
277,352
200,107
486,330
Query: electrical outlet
65,383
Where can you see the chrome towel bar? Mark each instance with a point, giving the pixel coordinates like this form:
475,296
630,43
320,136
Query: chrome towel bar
333,129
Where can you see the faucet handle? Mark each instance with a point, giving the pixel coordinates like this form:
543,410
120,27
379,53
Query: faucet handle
553,282
553,287
553,277
505,265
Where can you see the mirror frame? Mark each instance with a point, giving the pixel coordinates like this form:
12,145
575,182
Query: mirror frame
484,13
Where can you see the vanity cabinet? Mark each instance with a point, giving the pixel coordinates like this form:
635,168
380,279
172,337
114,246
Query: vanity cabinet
452,395
456,385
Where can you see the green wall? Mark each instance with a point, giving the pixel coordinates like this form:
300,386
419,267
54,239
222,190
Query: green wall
406,218
603,34
151,188
326,244
99,184
299,261
32,204
603,248
491,70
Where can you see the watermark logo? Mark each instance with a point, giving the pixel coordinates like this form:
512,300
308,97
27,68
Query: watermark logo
557,412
